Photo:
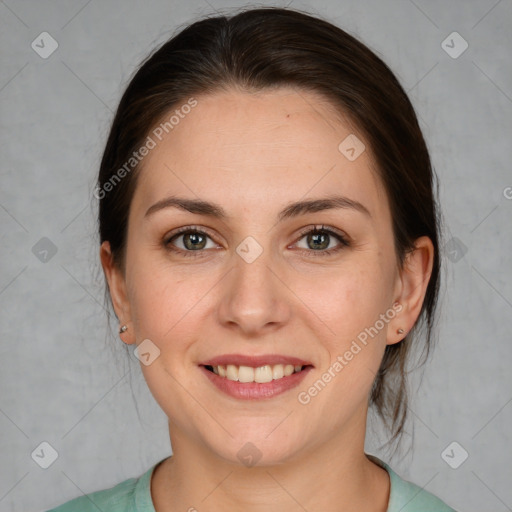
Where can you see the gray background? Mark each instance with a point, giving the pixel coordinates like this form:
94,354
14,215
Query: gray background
65,379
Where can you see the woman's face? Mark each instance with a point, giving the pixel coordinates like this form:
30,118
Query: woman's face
255,289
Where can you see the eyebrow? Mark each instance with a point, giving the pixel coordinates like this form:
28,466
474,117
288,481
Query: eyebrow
201,207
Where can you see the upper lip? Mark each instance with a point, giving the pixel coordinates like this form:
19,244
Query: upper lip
254,361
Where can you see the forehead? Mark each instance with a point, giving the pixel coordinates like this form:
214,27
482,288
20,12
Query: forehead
258,150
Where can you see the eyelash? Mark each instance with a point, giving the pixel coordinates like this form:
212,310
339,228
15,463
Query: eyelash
332,233
315,230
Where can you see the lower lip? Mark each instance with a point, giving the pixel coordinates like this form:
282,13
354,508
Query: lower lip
256,390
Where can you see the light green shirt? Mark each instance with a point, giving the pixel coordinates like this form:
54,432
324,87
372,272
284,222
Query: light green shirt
134,495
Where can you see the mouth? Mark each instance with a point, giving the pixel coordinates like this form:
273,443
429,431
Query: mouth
260,374
249,377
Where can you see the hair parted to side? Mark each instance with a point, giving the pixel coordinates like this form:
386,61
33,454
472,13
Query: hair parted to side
260,49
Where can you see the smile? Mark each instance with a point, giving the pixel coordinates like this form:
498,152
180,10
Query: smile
251,377
260,374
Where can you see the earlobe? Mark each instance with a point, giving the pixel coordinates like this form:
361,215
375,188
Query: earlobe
117,289
414,277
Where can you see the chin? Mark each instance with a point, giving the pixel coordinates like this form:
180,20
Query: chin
258,448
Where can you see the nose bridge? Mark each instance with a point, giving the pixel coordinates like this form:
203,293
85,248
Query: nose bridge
254,297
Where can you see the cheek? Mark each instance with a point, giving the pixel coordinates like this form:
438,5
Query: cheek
160,296
355,342
171,305
348,299
354,304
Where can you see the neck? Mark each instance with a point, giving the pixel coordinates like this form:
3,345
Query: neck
331,476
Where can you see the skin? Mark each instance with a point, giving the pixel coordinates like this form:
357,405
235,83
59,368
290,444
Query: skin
253,154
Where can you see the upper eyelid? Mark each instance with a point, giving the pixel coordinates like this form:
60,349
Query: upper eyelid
323,227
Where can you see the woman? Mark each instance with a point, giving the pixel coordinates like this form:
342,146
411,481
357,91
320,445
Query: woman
269,237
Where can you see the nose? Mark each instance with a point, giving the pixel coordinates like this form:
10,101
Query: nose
255,298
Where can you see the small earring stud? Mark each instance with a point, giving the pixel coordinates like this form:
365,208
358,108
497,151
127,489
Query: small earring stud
400,331
124,328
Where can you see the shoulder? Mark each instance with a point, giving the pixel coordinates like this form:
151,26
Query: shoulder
408,497
132,495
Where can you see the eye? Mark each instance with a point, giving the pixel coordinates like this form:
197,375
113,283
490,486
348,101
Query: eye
318,240
191,241
188,240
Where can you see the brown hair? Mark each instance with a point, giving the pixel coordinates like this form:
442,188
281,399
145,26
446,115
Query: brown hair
265,48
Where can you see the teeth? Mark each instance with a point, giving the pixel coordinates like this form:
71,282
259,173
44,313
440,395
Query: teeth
245,374
262,374
278,372
232,372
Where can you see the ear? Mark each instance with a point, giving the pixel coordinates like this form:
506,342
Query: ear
411,287
117,288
